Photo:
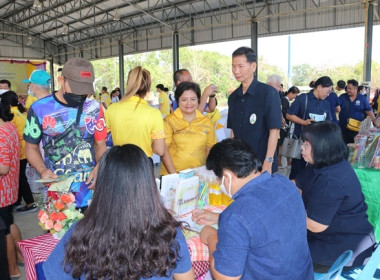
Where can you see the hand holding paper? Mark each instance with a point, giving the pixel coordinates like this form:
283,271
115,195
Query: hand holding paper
63,185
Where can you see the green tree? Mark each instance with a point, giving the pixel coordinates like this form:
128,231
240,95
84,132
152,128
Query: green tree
265,70
209,67
302,75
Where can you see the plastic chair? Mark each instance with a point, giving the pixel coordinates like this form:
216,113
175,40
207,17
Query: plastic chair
336,269
367,272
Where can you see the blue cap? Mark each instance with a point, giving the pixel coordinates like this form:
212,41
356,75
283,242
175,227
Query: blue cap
39,77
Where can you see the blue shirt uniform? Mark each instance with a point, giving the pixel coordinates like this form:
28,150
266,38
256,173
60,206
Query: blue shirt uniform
333,100
332,196
356,109
314,106
53,268
262,234
253,114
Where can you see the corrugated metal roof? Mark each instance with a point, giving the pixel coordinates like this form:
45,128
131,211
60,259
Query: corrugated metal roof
147,25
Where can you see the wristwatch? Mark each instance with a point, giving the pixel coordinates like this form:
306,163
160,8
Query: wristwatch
269,159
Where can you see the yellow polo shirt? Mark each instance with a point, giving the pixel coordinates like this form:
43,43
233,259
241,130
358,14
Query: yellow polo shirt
214,116
188,141
29,101
106,99
19,120
133,121
340,92
163,99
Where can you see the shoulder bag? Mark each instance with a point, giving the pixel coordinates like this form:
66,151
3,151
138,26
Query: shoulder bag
352,124
291,147
62,144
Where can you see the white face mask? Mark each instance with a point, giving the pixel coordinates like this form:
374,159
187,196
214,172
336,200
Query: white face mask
3,90
30,92
223,188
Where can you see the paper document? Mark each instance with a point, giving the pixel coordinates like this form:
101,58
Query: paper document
317,118
62,186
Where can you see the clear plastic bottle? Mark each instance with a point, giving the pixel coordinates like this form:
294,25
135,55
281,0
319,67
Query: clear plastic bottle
361,160
203,190
377,161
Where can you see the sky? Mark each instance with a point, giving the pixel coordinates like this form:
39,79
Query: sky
323,48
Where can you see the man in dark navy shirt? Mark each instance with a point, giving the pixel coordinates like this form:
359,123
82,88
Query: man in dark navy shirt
354,106
333,100
254,110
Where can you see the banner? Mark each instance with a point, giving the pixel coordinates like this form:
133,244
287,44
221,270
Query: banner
17,70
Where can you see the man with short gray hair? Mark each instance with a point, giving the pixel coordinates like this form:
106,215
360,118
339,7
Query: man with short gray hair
275,81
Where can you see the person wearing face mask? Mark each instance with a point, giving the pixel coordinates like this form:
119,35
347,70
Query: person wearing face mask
262,228
362,90
39,86
5,86
71,128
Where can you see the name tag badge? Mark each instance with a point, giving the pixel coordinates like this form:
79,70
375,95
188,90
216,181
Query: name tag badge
252,118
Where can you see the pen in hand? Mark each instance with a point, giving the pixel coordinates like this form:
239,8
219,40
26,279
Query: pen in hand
201,201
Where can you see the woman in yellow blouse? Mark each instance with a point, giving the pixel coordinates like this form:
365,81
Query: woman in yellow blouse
19,120
132,120
376,102
189,134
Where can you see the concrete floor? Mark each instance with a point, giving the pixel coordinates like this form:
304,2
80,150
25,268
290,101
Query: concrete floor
28,222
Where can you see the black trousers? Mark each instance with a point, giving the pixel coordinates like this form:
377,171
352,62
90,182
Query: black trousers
348,135
24,188
4,273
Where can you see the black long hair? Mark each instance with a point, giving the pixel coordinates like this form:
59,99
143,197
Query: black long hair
5,112
11,98
327,143
182,87
126,232
235,155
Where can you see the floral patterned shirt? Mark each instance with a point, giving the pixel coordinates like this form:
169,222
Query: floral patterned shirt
9,156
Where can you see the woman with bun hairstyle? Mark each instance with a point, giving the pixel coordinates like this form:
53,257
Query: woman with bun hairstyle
317,109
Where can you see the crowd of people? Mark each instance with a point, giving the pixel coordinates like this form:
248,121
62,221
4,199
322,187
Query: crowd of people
127,233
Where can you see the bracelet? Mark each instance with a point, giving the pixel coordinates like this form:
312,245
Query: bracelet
212,95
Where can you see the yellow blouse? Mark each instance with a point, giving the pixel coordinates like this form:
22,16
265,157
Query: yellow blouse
19,120
188,141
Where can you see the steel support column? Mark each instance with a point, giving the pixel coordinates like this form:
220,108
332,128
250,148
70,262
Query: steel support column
254,36
290,70
368,44
52,73
175,51
121,68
